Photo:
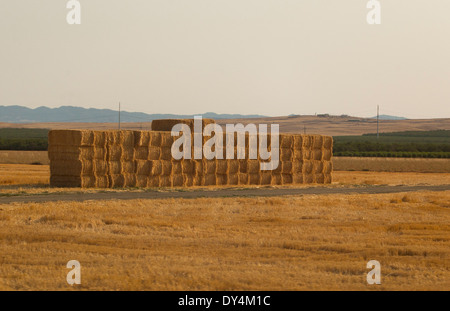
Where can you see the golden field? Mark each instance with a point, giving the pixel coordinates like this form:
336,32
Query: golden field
309,242
292,243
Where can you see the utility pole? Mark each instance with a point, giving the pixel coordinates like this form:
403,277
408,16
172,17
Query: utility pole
378,121
119,115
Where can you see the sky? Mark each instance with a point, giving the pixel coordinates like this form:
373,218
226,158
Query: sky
269,57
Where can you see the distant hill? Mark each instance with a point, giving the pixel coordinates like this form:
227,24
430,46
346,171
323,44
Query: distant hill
387,117
20,114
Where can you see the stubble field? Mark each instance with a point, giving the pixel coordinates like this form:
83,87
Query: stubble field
309,242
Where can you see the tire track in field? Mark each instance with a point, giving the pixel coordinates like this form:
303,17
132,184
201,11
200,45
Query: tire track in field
217,193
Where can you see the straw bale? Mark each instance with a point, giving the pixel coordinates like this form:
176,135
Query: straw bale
327,142
188,180
221,179
243,166
65,181
286,167
317,142
198,164
308,167
276,179
153,181
285,154
253,166
243,178
127,139
113,138
320,178
101,182
188,167
198,180
307,154
209,180
327,167
222,167
116,180
114,152
141,153
71,137
327,179
100,153
127,154
297,178
254,179
114,167
298,142
327,154
167,140
307,141
233,167
167,124
88,181
156,168
166,167
141,138
177,180
266,178
286,141
177,167
317,154
308,178
154,153
128,167
100,167
165,181
166,153
318,167
286,179
155,139
209,167
141,181
233,179
297,167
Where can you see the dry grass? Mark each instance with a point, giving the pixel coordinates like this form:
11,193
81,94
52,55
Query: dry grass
24,157
385,178
392,164
17,174
291,243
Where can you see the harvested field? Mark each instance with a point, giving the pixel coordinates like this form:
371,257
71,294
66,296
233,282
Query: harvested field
292,243
391,164
24,157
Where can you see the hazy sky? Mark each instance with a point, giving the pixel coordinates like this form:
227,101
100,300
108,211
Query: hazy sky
272,57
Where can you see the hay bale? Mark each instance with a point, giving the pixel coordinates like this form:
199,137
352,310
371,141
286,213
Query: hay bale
253,167
153,181
126,139
113,137
99,139
141,181
286,179
318,167
209,167
243,178
115,167
297,178
328,167
177,180
177,167
308,168
116,180
127,154
326,154
286,141
141,153
308,178
221,180
297,167
155,139
266,178
67,168
209,180
276,179
100,167
188,167
320,178
165,181
307,141
167,140
317,142
154,153
285,154
65,181
298,142
188,180
243,166
129,180
114,153
327,142
222,167
166,168
166,153
156,168
317,154
254,179
102,182
307,155
233,179
198,180
141,139
233,167
286,167
328,178
166,125
128,167
71,137
198,166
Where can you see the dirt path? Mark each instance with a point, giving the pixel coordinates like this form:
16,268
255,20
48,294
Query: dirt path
238,192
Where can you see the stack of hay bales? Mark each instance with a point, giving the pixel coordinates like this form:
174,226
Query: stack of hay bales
166,125
112,159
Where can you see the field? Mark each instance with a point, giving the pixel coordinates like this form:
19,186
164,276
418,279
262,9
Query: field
289,243
307,242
